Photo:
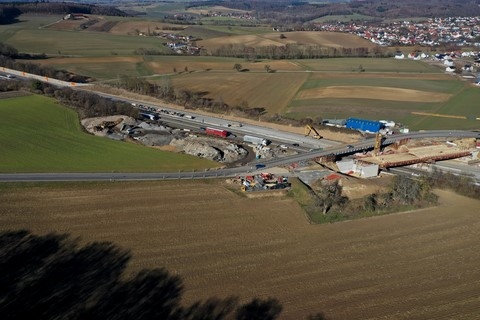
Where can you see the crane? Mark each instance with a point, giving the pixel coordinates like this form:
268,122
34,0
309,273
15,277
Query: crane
309,129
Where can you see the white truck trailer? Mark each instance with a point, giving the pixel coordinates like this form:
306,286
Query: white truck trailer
256,140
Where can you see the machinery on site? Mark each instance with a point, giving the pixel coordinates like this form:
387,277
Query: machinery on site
378,143
311,130
108,124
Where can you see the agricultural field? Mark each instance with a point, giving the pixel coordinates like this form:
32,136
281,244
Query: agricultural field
318,88
269,90
38,135
35,35
324,39
413,265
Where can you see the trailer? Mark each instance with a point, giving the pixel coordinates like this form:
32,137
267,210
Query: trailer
256,140
216,132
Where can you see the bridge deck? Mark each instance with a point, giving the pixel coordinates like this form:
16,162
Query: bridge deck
417,155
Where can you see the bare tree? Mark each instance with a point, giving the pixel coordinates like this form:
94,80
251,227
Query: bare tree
406,190
330,194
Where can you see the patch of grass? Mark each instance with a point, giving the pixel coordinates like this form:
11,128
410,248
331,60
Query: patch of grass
300,192
38,135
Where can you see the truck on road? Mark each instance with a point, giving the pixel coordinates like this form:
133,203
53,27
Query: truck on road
216,132
256,140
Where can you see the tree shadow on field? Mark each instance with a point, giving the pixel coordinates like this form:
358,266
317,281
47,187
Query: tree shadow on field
54,277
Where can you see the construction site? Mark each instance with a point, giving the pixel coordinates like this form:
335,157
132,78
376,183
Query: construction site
261,182
405,153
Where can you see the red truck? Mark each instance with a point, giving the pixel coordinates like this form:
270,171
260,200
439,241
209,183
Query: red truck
216,132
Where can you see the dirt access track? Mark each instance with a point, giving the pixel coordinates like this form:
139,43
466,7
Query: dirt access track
416,265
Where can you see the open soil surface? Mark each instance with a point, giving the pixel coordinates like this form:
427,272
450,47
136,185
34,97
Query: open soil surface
414,265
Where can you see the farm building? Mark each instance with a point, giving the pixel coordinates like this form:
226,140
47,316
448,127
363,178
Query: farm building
364,125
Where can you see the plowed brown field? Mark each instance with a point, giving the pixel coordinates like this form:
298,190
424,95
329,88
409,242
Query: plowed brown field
323,39
416,265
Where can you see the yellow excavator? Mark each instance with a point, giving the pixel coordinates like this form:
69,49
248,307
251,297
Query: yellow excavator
378,143
309,129
108,124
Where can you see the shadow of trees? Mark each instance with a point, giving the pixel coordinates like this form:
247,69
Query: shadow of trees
54,277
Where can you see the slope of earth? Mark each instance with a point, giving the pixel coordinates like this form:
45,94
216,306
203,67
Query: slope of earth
415,265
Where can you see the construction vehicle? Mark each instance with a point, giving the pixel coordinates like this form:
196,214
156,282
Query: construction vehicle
108,124
309,129
378,143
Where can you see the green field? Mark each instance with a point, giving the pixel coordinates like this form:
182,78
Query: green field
30,35
38,135
79,43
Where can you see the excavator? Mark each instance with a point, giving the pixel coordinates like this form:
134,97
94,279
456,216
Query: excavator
108,124
309,129
378,143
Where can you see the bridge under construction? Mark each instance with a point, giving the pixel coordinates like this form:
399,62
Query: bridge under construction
412,155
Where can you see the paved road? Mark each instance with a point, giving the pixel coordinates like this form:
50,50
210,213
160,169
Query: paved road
229,172
197,120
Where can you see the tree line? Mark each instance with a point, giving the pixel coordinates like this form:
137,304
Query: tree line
8,14
293,51
296,13
10,11
53,276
